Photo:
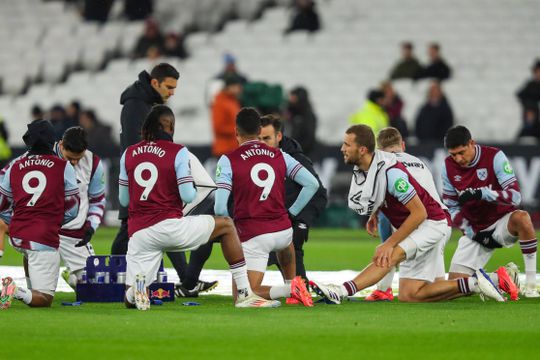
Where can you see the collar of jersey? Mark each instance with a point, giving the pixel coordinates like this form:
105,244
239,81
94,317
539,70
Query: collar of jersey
250,142
476,159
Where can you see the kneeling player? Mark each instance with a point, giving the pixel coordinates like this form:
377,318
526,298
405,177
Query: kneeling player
482,193
155,179
42,191
255,174
422,227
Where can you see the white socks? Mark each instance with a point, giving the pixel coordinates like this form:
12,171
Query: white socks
386,281
240,278
280,291
23,294
130,295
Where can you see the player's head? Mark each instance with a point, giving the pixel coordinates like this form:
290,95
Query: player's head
271,133
389,139
164,80
73,144
248,124
39,138
159,124
460,145
359,142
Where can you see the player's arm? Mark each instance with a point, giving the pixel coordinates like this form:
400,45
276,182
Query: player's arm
399,186
96,196
123,183
186,186
510,193
71,194
302,176
224,184
6,197
450,198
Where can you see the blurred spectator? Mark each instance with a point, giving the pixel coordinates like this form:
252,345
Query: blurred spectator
437,69
408,66
529,97
301,121
305,17
230,70
97,10
225,106
151,38
138,9
73,111
393,105
5,150
60,121
99,136
435,116
174,46
372,112
37,113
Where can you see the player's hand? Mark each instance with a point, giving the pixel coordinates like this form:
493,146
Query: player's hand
383,255
371,226
87,237
469,195
486,238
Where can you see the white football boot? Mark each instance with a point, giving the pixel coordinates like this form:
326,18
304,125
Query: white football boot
331,292
142,302
486,287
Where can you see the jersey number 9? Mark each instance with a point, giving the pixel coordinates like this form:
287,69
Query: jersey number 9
267,183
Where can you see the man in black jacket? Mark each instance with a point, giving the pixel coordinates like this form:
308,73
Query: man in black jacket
137,101
271,134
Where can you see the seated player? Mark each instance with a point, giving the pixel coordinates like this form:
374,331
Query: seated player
482,193
41,190
255,174
381,182
75,235
155,180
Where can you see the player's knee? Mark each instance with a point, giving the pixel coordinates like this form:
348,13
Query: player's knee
522,219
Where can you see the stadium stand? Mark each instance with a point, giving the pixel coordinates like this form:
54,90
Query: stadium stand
354,51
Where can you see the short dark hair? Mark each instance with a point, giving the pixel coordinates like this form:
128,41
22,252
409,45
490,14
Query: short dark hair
273,120
364,136
37,110
162,71
248,121
457,136
389,136
435,46
408,45
152,124
375,95
74,139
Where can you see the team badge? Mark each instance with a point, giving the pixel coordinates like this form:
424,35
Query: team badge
457,178
482,174
401,185
507,168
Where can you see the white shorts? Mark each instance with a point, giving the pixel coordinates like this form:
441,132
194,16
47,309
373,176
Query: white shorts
43,268
74,257
258,248
471,256
146,246
424,249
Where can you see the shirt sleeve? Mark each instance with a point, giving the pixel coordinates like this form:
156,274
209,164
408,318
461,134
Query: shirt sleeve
184,179
6,196
510,193
96,196
293,166
224,184
71,190
399,186
123,183
503,170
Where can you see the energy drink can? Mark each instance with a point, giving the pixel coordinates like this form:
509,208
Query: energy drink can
162,276
121,278
100,277
83,279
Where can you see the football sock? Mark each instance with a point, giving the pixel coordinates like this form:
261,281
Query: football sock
130,295
239,275
23,294
386,281
280,291
28,282
528,249
349,288
467,285
1,253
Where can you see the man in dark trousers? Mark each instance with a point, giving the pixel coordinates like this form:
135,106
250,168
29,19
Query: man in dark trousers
137,101
271,135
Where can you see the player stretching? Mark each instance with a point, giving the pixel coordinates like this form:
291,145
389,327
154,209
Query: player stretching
76,234
42,191
482,193
155,178
390,140
422,227
255,174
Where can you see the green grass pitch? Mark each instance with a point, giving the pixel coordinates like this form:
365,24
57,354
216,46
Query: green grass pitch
462,329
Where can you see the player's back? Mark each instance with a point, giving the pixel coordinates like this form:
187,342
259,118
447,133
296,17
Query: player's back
37,186
258,187
153,186
421,173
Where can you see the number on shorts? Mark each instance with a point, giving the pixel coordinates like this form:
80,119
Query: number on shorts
267,183
37,190
149,183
